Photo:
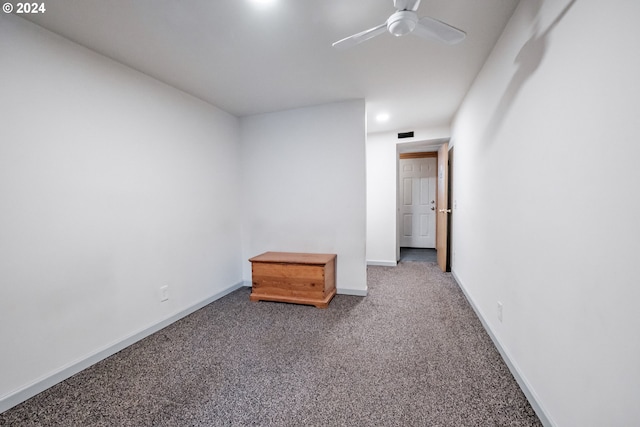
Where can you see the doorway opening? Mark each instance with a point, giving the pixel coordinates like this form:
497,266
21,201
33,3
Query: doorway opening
422,214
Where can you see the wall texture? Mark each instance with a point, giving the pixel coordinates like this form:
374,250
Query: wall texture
546,189
112,185
304,186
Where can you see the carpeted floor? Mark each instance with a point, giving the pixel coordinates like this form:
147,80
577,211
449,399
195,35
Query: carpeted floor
412,353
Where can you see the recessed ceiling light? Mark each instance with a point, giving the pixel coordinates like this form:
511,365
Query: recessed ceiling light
263,2
382,117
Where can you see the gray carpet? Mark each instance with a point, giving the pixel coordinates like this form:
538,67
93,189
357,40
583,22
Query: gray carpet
412,353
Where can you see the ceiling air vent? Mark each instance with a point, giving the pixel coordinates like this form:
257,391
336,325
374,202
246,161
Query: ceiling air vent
405,135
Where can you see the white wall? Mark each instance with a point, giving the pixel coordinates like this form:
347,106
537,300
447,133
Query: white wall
111,185
382,158
304,186
546,184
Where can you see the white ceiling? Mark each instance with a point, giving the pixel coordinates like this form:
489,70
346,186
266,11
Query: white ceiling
249,59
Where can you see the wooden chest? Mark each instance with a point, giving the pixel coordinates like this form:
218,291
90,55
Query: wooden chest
298,278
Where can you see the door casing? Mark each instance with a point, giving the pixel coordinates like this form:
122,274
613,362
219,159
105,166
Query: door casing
443,211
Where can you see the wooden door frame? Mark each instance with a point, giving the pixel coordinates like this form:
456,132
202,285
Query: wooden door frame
405,156
420,155
443,206
452,205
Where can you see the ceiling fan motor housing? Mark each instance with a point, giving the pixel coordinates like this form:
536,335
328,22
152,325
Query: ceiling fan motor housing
402,22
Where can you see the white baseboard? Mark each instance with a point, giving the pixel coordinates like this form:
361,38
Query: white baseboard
41,384
528,391
382,263
354,292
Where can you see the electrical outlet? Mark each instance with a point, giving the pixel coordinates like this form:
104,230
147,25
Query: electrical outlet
164,293
500,311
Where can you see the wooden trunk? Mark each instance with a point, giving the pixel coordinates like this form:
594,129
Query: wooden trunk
294,277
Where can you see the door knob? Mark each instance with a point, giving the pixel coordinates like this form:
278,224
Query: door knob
432,208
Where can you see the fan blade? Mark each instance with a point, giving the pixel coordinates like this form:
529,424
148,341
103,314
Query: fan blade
406,4
360,37
432,29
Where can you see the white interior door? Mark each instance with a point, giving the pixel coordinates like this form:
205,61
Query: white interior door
418,181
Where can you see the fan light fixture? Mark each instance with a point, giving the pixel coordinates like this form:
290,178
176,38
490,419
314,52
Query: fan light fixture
402,22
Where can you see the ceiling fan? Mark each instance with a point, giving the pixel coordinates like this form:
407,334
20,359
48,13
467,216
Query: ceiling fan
404,21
